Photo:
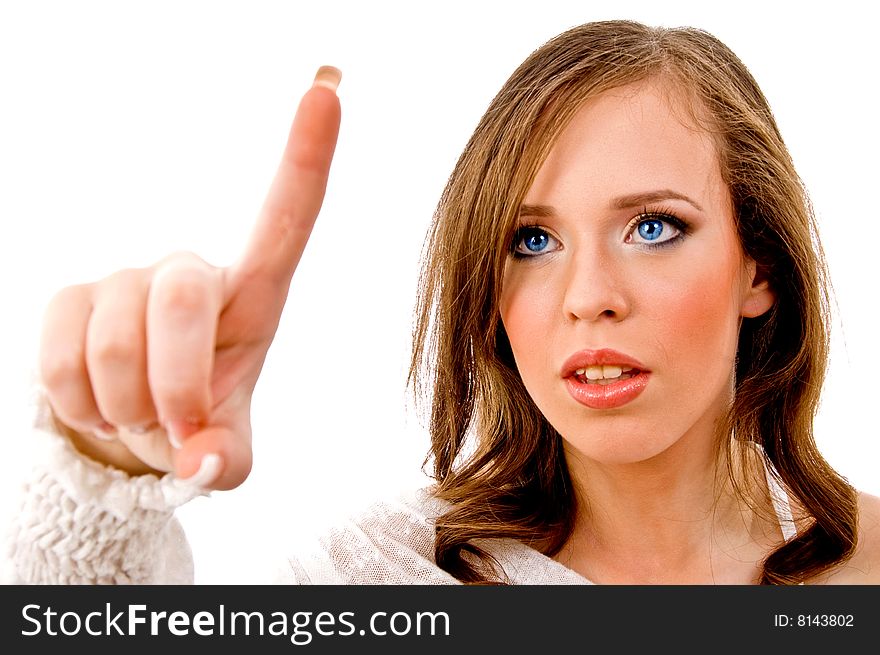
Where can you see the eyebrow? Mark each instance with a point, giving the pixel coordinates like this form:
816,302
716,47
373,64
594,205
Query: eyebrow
637,199
621,202
538,211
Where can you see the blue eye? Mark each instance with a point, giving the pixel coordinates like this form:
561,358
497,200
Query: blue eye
535,242
531,241
651,229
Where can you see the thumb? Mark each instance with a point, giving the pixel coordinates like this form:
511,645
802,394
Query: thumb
214,458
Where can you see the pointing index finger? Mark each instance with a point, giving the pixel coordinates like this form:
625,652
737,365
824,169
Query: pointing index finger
297,191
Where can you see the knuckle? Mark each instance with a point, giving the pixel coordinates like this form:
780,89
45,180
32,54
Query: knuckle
60,369
114,346
181,287
183,294
69,296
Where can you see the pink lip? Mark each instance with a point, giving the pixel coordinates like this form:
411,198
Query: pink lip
604,396
603,357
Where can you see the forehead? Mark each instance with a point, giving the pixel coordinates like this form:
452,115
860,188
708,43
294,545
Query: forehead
630,140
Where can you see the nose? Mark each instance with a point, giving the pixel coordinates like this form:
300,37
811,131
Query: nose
596,289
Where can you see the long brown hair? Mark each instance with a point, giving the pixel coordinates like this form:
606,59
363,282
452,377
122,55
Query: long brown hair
497,461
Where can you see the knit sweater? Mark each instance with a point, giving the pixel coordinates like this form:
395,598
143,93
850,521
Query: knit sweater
85,523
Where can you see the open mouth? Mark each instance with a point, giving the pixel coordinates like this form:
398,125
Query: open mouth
602,375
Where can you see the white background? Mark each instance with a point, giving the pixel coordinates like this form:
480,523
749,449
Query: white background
131,130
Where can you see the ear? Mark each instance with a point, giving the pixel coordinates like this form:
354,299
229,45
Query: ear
758,297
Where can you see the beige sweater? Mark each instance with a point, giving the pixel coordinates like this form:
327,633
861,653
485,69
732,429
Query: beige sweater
84,523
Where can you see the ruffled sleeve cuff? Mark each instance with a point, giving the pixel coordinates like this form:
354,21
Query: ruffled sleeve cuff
82,522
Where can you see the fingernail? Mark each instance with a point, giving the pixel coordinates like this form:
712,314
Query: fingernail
105,432
174,438
209,471
328,77
143,429
178,430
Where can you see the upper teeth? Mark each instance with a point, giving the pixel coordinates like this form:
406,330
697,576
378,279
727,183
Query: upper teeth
599,372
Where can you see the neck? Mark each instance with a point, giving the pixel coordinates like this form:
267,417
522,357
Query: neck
671,519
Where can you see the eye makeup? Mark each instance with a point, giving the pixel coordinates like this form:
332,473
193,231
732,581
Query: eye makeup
651,229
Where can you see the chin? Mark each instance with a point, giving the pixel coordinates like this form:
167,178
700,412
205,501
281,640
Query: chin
618,456
617,447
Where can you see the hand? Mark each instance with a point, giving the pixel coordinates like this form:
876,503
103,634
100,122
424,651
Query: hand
153,369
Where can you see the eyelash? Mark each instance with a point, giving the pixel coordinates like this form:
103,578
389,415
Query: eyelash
521,233
663,215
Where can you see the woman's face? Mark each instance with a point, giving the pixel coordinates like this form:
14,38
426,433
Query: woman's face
623,299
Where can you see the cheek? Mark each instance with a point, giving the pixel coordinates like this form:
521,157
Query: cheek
697,317
530,315
528,308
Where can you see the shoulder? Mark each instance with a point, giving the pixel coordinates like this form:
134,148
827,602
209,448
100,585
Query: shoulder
864,566
407,517
388,541
868,549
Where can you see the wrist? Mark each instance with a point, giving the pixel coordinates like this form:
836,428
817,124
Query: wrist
110,453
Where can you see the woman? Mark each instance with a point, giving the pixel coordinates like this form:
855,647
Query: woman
622,324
